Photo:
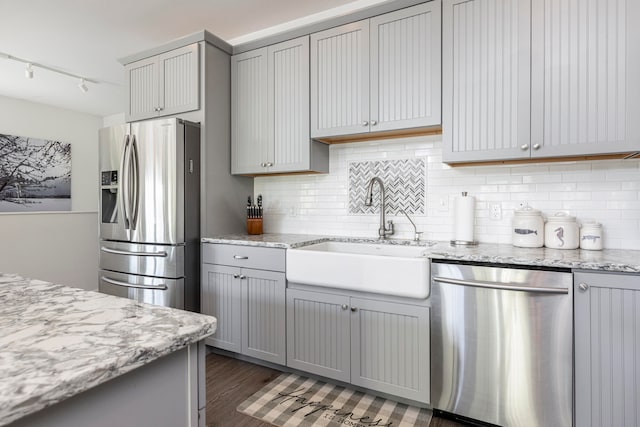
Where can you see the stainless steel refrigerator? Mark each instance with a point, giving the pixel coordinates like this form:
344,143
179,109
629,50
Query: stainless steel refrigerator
150,212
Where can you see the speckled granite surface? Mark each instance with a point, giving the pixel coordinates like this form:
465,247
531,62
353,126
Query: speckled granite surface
615,260
57,341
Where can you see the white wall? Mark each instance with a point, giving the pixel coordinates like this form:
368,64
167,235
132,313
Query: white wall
61,247
605,190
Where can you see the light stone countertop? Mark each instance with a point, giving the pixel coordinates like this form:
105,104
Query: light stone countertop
57,341
614,260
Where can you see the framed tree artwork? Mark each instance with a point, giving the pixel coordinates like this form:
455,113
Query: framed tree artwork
35,174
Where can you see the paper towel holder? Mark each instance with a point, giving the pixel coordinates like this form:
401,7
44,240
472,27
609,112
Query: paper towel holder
463,242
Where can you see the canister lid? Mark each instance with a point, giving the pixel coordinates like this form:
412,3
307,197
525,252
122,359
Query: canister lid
527,210
561,216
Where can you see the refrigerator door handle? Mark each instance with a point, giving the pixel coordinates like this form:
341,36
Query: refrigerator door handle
135,171
162,254
160,287
124,183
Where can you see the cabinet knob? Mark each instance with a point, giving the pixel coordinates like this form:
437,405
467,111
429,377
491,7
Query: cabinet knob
524,147
373,122
236,276
354,309
263,164
268,164
536,146
345,306
365,123
583,286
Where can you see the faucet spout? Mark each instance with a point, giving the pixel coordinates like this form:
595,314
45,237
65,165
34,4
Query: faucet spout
383,231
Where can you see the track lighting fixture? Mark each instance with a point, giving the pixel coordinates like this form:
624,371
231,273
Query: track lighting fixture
83,86
28,72
30,65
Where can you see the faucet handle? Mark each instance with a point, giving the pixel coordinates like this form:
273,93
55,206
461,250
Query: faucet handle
389,228
417,235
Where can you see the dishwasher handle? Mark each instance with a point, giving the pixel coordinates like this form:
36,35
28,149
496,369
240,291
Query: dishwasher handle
501,286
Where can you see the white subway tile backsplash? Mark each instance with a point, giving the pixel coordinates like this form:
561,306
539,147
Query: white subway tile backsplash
607,191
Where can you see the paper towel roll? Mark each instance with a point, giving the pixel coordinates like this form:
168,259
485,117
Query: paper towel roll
464,207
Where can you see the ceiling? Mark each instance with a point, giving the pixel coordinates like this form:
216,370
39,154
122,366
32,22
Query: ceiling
86,37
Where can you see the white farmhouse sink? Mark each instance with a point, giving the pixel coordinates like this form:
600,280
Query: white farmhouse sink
366,267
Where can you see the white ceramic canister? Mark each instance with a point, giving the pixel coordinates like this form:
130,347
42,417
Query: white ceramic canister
527,228
561,232
591,236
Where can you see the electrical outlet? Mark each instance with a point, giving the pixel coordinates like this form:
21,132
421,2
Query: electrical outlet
443,204
495,211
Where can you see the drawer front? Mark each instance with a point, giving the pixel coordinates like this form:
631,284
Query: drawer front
244,256
142,259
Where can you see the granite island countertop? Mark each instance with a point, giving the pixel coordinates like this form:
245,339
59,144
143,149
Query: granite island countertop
57,341
614,260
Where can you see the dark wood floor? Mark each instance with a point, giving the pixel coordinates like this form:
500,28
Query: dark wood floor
231,381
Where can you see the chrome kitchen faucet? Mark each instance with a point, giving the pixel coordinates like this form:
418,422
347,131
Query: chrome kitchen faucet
383,231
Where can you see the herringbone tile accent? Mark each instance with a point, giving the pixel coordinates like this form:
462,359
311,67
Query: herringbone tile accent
404,181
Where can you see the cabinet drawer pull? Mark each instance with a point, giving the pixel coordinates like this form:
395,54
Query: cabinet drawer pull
240,257
583,286
365,123
269,164
236,276
536,146
524,147
354,309
345,306
242,277
373,122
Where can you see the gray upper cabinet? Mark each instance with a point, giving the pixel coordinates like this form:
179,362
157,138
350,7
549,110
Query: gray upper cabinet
163,85
486,79
534,79
607,349
270,111
376,75
585,91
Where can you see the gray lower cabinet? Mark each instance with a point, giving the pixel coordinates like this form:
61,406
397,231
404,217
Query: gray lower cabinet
249,303
607,349
379,345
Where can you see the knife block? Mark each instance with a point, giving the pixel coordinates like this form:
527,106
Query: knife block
254,225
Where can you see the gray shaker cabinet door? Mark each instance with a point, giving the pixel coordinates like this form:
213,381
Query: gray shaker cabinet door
179,76
221,298
390,348
340,80
288,113
607,344
585,91
318,333
263,311
142,89
486,80
249,118
405,68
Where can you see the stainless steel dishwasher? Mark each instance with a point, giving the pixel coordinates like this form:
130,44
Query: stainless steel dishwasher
502,344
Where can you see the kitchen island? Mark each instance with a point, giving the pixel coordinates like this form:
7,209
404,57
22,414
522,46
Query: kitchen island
73,357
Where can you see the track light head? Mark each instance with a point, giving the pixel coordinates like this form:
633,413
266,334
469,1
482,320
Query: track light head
83,86
28,71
